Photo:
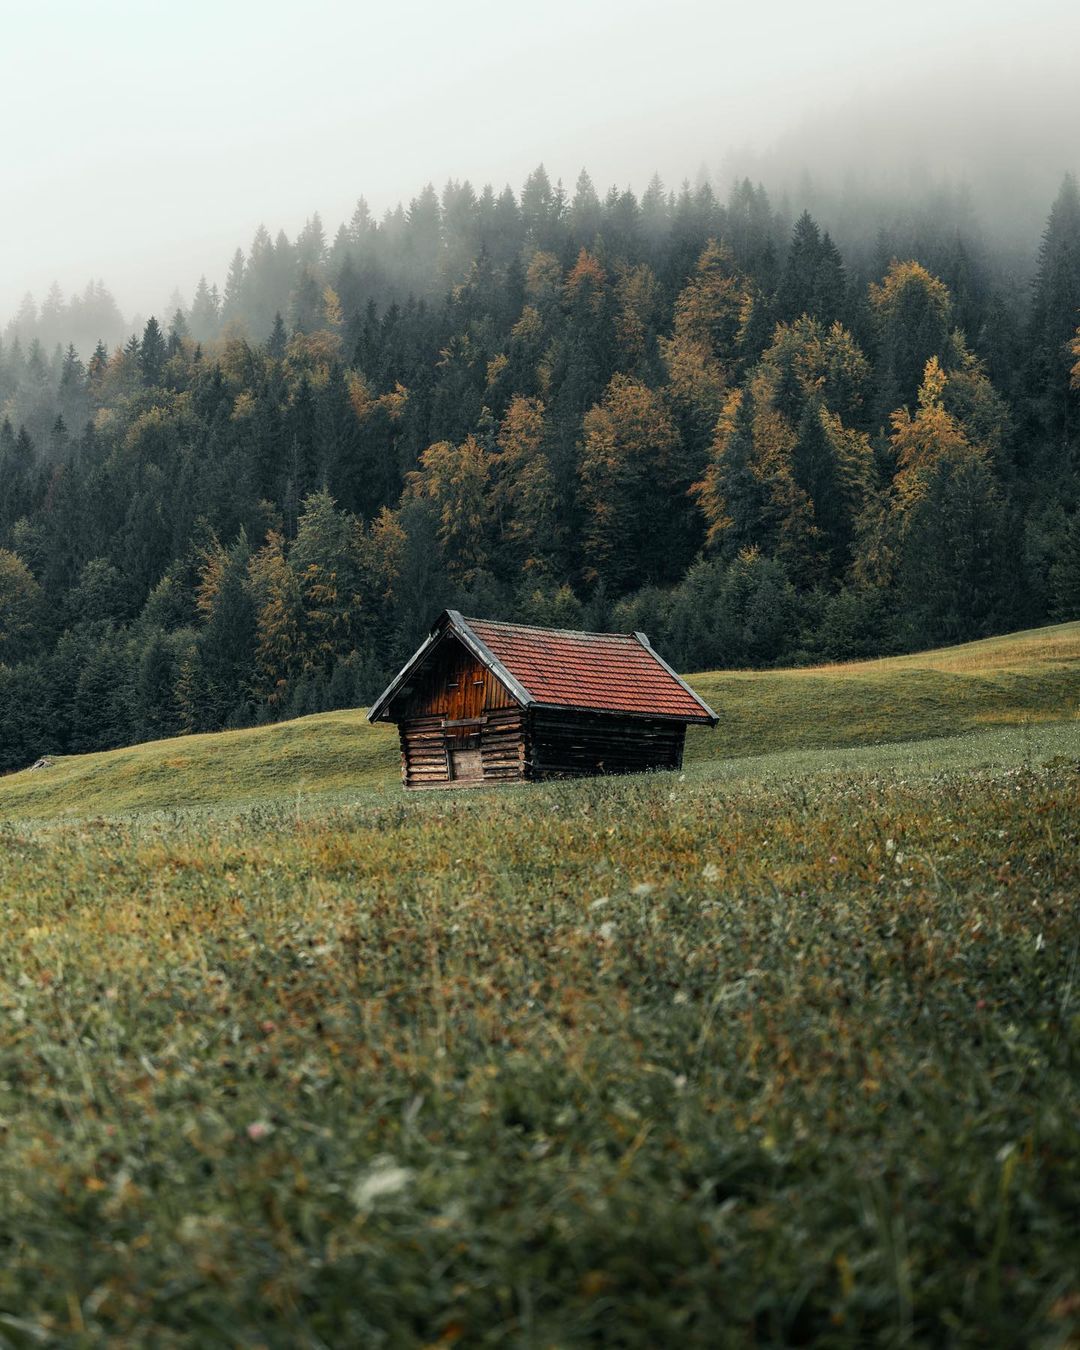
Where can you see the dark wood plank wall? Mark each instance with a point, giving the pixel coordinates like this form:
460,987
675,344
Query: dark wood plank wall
569,744
456,686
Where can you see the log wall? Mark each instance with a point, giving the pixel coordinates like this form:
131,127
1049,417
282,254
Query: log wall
566,744
424,759
430,745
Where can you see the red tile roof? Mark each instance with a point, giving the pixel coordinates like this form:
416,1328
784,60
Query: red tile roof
604,672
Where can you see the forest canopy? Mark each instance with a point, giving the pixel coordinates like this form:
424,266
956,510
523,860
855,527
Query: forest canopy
671,413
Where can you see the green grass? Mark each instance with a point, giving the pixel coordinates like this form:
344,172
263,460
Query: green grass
1023,679
783,1050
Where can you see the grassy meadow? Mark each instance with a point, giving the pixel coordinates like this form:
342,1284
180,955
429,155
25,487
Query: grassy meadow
1023,680
781,1050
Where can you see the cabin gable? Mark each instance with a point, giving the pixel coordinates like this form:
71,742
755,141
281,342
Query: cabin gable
452,683
458,723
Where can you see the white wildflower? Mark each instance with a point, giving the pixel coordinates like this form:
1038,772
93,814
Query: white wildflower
384,1177
710,872
643,888
607,931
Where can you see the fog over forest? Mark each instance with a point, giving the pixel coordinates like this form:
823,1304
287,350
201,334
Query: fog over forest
206,127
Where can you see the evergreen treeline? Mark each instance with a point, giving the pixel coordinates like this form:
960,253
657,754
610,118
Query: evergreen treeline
670,414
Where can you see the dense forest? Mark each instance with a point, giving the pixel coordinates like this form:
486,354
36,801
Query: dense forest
678,414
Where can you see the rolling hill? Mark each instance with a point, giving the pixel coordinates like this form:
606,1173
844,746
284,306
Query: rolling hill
1022,680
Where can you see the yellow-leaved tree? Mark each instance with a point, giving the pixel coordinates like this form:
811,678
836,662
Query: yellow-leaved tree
523,496
786,473
913,314
20,605
701,356
943,539
455,482
278,621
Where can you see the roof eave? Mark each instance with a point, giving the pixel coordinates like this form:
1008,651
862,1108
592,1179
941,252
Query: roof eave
696,719
710,716
379,707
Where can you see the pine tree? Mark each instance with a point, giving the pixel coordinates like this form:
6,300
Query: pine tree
306,306
523,498
232,305
732,496
226,640
278,339
311,243
631,447
204,317
152,353
21,602
1065,572
1054,310
178,331
279,643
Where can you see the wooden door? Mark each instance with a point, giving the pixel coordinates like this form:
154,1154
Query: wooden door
463,753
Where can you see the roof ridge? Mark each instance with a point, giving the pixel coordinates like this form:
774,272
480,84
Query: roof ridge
561,632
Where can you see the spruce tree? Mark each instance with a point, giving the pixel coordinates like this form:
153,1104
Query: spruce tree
1054,312
278,339
152,352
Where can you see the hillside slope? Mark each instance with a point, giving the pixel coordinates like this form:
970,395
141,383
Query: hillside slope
1023,678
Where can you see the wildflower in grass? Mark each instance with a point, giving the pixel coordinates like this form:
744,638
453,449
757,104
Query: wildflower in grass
710,872
259,1130
383,1178
607,931
643,888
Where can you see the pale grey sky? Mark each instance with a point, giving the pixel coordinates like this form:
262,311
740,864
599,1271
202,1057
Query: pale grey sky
142,141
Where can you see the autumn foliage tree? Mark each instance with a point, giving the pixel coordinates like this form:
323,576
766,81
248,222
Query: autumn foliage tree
913,316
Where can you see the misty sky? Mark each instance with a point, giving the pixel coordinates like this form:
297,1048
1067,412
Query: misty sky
144,141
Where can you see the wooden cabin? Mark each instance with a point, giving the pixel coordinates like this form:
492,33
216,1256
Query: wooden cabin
486,702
